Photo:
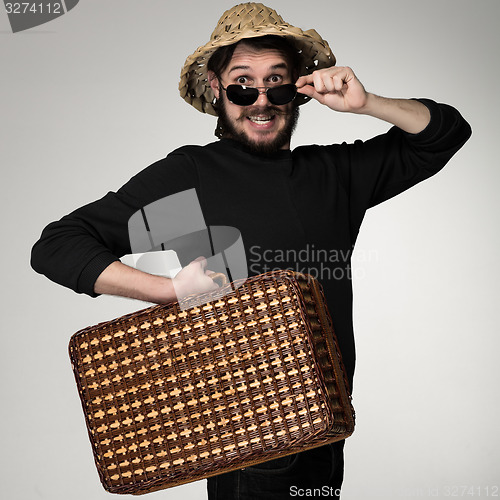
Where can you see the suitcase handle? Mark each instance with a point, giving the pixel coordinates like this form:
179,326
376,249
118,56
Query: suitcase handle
219,278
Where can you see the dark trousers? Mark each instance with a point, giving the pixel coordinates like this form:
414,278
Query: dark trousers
296,476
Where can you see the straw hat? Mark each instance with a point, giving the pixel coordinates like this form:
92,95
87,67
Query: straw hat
248,20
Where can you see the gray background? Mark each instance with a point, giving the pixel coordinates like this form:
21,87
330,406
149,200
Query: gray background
91,98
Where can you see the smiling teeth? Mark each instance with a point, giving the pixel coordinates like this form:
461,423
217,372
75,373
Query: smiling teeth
260,119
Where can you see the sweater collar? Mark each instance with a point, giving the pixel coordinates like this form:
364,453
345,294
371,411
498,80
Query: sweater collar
282,154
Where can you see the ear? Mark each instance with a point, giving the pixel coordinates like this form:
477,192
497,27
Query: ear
214,83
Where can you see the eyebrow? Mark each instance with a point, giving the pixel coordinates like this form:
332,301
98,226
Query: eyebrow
272,68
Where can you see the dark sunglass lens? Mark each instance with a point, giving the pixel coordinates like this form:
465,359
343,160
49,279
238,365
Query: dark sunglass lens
282,94
241,96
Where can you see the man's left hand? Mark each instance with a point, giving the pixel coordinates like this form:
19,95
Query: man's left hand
340,90
336,87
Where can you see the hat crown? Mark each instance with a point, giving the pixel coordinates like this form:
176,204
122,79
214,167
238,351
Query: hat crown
246,16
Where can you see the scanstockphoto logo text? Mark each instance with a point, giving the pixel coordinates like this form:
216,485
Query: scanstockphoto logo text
320,263
26,15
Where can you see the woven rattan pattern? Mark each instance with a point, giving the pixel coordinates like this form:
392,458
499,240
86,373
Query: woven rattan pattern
172,396
249,20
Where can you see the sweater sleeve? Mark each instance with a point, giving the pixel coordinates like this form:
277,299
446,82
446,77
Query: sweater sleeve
374,171
74,250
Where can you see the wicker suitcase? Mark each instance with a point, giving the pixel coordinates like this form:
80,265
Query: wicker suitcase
172,396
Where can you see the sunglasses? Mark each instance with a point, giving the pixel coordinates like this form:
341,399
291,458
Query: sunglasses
245,96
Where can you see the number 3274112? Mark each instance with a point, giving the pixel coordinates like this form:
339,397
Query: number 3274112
471,491
34,8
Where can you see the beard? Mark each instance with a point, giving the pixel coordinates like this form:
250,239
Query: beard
230,131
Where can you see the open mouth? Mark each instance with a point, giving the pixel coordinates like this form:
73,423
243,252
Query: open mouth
261,120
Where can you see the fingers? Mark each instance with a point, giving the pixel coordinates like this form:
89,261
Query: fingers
325,81
210,274
197,270
201,269
220,279
201,260
193,279
335,87
320,81
303,81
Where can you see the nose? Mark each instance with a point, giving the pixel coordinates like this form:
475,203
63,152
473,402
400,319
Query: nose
262,99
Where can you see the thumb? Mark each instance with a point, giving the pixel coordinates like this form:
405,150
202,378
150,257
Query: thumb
308,90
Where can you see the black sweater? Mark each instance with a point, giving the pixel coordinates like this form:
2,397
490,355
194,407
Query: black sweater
299,209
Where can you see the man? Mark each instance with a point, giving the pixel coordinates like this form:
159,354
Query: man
286,204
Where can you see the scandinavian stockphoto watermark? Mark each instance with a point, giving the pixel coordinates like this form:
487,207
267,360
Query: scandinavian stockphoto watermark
320,263
26,15
324,491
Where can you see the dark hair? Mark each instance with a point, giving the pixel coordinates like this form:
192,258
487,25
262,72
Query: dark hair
222,56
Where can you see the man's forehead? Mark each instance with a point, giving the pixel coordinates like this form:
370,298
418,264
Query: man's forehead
246,57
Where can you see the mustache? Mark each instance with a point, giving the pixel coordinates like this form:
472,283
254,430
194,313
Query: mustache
264,111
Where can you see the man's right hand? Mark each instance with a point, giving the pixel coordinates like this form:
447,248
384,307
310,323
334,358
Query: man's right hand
125,281
194,278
